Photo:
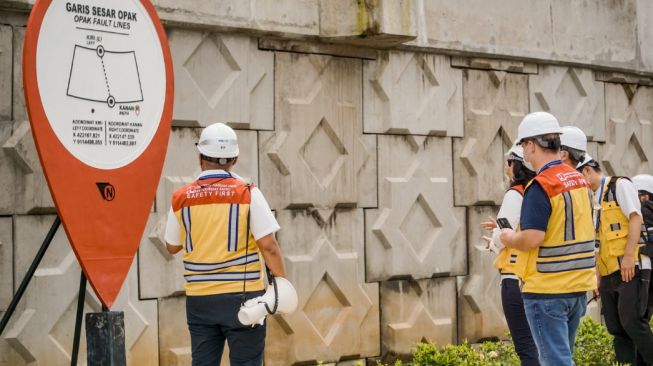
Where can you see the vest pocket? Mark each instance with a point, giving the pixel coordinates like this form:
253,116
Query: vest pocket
616,242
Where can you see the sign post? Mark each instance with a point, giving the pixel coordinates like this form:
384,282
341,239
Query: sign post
99,89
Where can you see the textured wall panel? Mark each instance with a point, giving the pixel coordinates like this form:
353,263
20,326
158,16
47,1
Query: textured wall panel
317,156
572,95
7,172
19,110
599,32
31,193
412,93
42,328
416,231
480,314
338,313
221,78
414,311
181,167
6,60
629,138
495,103
6,262
284,16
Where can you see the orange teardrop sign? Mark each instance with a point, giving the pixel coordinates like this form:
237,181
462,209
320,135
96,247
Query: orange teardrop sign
99,89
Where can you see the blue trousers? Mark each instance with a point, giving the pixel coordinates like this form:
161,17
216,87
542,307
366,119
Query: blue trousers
212,320
513,309
554,322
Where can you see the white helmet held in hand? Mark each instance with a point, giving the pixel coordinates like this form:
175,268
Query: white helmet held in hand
218,141
537,124
574,138
643,182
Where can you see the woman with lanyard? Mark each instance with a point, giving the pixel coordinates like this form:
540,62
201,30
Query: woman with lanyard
519,173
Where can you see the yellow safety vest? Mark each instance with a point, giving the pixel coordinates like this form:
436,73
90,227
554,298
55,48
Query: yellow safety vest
613,229
565,261
507,258
220,255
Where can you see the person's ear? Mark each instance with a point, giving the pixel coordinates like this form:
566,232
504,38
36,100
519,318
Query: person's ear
564,155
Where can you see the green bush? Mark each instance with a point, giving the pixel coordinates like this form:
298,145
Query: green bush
593,346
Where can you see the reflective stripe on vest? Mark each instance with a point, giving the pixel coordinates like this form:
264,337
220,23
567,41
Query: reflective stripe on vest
185,216
568,249
226,276
207,267
566,265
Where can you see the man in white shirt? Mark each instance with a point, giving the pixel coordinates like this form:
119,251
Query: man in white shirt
625,272
224,226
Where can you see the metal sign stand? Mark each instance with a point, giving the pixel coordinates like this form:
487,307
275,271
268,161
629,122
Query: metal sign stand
105,331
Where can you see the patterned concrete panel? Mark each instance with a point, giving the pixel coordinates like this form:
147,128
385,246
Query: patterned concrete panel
416,231
412,93
181,167
495,103
221,78
19,109
8,173
32,194
317,156
338,312
300,17
41,330
6,61
6,262
480,314
572,95
174,339
415,311
629,138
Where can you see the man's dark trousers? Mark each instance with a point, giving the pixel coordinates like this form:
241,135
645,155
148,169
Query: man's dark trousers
624,306
213,319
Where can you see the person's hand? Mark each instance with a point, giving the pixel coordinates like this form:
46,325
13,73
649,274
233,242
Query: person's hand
488,241
627,268
490,224
506,236
595,292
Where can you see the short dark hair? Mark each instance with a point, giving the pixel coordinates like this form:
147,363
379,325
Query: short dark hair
550,142
522,175
575,155
217,161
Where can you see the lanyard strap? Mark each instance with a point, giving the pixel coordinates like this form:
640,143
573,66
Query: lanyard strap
598,212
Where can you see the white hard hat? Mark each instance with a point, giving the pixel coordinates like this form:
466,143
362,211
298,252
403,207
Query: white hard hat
254,311
643,182
517,152
537,124
218,141
586,160
574,138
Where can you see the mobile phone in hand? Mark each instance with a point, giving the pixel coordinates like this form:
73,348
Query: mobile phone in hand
503,223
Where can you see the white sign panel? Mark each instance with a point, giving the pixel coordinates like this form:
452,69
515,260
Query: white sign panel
101,76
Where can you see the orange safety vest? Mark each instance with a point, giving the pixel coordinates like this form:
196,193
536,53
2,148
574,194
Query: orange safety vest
219,252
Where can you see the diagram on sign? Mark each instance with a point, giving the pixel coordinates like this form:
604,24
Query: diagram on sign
104,76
